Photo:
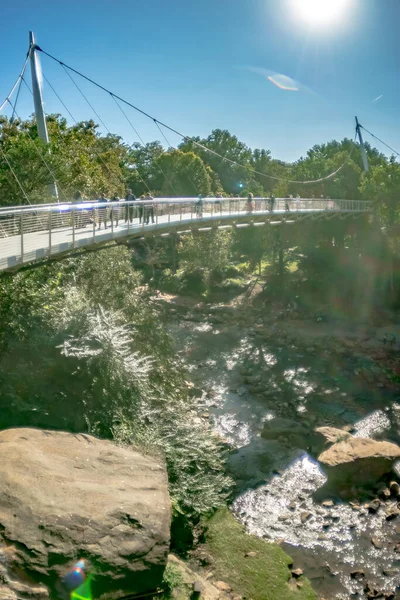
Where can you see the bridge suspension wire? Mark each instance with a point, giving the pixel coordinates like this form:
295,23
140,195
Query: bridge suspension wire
194,186
18,80
188,138
103,162
40,154
138,136
15,176
59,98
86,99
142,142
381,141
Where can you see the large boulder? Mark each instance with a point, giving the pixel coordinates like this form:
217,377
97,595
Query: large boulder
64,497
358,461
323,437
285,430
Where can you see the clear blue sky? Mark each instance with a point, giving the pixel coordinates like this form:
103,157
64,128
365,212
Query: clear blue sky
185,62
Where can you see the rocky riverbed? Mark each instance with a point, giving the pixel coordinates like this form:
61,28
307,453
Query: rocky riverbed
250,368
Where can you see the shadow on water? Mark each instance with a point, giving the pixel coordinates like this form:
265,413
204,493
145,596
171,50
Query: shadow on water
248,378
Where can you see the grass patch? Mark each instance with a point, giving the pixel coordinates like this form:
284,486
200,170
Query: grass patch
261,577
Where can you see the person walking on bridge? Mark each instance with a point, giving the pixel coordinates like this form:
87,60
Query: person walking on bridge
149,208
199,206
129,208
77,211
250,204
272,203
114,212
102,211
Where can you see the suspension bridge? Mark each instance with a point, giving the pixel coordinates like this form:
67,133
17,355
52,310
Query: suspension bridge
32,233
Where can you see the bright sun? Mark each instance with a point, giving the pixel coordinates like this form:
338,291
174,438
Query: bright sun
320,12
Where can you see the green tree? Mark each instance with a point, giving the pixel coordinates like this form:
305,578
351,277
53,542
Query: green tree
183,174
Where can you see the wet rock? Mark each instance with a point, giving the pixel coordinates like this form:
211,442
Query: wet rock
384,492
76,495
358,574
297,573
397,548
328,503
394,488
296,434
377,542
374,506
392,512
283,517
357,461
292,505
390,572
304,516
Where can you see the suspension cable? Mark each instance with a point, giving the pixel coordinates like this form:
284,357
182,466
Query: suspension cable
171,146
143,144
381,141
85,98
15,84
188,138
40,154
59,98
76,159
139,137
15,175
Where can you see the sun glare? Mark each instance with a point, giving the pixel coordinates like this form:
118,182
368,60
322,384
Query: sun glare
320,12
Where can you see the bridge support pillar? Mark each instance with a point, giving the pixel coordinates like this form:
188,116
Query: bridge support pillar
36,72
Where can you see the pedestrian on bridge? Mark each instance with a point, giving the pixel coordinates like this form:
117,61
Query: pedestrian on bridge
250,204
272,203
149,209
129,208
114,212
199,206
77,212
140,209
102,211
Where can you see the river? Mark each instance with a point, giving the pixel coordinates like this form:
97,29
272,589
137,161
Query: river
249,375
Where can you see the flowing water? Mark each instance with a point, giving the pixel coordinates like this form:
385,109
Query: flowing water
247,379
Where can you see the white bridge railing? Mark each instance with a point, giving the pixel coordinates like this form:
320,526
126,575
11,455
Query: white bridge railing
31,232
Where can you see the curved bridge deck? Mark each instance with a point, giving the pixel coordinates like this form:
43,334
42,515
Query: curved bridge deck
30,233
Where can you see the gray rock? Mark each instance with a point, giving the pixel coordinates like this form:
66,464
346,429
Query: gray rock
64,497
374,506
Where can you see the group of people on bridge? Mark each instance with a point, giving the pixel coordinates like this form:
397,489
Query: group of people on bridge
104,214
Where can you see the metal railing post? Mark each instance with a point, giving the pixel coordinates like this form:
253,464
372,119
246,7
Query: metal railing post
73,227
180,212
169,212
50,215
21,224
94,224
156,209
112,219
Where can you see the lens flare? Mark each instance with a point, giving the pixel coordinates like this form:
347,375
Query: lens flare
283,82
